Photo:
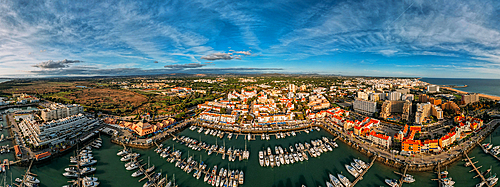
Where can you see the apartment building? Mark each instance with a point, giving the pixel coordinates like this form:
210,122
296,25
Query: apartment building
58,111
470,98
57,131
365,107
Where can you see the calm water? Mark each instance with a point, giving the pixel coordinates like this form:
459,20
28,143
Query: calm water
111,171
484,86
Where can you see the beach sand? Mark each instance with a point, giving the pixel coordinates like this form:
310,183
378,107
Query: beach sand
496,98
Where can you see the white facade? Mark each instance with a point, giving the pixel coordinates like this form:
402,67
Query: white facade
55,132
58,111
367,107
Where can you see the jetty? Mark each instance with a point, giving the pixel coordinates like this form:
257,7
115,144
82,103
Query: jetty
364,172
476,169
402,175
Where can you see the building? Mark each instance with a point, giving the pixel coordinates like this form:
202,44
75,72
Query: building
365,107
363,96
425,110
408,97
58,111
380,139
450,105
411,146
470,98
423,98
56,131
431,146
400,107
292,88
435,101
145,128
395,96
447,140
432,88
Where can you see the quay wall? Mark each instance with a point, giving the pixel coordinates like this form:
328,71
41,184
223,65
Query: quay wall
402,165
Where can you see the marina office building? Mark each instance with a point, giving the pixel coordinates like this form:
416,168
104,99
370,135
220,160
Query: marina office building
56,131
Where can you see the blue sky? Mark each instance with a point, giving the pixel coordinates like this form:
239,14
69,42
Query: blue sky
357,37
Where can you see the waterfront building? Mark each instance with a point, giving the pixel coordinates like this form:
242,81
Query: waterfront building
380,139
411,146
431,146
447,140
144,128
365,107
58,111
470,98
432,88
56,131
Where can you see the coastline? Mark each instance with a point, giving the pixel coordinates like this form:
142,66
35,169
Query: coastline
491,97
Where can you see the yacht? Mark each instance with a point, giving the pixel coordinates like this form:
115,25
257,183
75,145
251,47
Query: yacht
408,178
358,168
278,163
447,181
351,170
93,179
267,161
261,158
122,152
137,173
269,151
391,182
334,180
90,184
70,175
361,163
344,180
287,161
241,179
282,160
328,184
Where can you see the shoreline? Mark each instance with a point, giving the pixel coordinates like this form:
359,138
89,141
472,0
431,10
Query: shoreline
491,97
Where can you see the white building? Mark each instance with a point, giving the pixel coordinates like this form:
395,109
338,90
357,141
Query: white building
362,96
395,96
432,88
56,132
58,111
365,107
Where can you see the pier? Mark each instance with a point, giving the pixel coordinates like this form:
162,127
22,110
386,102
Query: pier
239,154
364,172
476,169
402,175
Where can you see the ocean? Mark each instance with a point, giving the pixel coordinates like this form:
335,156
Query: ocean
4,80
484,86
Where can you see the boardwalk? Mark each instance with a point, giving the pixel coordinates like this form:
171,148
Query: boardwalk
476,169
364,172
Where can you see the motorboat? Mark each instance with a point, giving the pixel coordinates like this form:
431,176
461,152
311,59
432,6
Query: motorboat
344,180
408,178
137,173
361,163
357,167
392,182
334,180
351,170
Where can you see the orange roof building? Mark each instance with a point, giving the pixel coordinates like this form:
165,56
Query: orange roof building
412,146
43,155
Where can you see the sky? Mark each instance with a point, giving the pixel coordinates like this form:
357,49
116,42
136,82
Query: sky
403,38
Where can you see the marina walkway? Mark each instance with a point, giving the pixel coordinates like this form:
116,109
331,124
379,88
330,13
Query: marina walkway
402,175
476,169
364,172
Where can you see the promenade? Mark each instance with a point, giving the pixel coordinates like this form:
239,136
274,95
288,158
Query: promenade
421,162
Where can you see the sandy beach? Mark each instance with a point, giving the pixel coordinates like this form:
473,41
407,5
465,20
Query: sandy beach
496,98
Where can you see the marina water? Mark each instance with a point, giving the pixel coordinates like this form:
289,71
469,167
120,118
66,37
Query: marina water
111,171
